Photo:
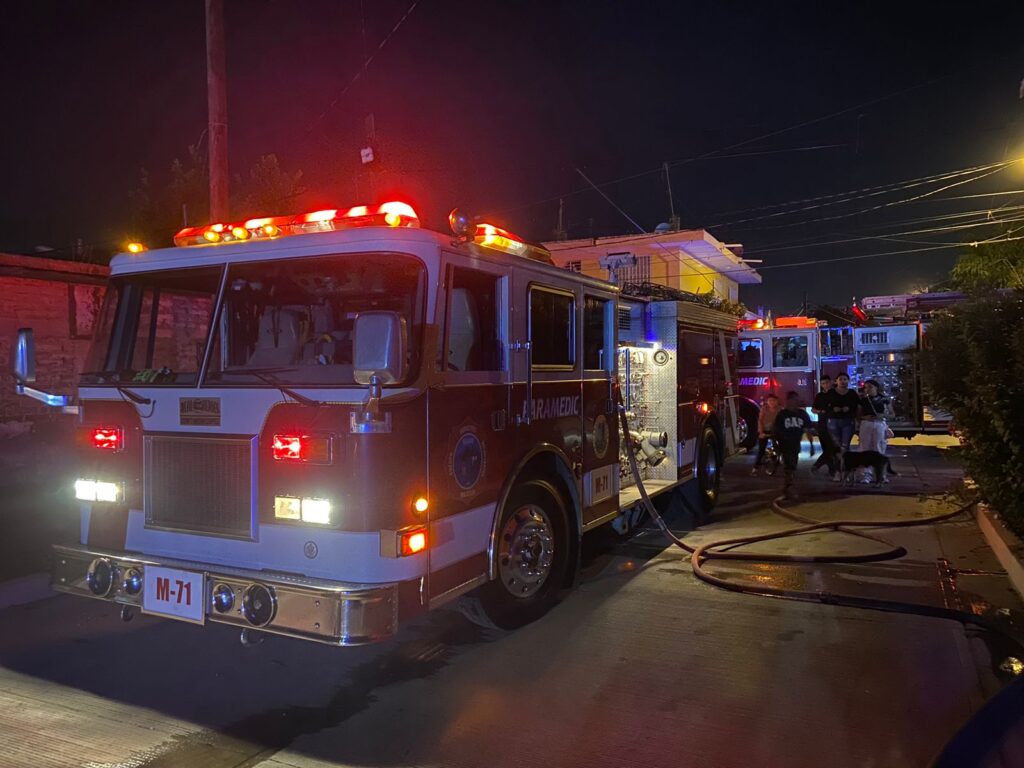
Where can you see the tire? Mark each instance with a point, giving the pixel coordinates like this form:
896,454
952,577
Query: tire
532,550
709,465
747,425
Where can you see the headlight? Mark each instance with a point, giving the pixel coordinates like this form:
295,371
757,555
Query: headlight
97,490
259,605
307,510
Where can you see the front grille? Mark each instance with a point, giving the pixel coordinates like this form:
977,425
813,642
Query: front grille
199,485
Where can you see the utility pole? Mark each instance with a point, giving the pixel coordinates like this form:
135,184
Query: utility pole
217,107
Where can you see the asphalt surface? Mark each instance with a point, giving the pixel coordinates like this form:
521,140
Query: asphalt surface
641,665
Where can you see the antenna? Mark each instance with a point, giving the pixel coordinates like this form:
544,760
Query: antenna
560,233
673,218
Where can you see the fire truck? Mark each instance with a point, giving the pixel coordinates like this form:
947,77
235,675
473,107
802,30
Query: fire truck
792,353
321,425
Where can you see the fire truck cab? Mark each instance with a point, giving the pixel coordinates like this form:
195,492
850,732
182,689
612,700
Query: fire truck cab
320,425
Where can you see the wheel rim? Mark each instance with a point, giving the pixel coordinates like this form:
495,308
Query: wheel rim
742,430
527,551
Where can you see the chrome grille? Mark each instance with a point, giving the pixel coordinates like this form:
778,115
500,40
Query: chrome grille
199,484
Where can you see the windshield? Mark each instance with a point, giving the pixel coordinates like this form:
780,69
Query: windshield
291,321
153,328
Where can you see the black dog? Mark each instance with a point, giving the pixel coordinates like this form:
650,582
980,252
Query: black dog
877,462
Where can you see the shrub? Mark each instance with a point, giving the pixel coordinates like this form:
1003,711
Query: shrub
974,368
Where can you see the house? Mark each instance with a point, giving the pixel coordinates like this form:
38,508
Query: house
689,260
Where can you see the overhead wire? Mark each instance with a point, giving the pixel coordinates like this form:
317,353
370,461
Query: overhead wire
990,170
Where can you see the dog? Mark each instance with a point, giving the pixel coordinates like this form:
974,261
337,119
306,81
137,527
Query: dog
851,461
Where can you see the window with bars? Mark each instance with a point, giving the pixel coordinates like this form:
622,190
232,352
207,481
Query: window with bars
639,273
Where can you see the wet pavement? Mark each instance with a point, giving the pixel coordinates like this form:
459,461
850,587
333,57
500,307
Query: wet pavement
642,665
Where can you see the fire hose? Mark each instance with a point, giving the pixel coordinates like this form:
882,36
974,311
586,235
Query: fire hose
724,549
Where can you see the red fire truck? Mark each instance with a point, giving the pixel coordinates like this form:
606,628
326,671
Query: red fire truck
321,425
792,353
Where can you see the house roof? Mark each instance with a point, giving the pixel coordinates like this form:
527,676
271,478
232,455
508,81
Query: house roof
698,244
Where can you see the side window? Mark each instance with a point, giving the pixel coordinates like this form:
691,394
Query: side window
596,333
552,328
789,352
473,338
750,353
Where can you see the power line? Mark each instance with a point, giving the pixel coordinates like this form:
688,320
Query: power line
745,142
875,207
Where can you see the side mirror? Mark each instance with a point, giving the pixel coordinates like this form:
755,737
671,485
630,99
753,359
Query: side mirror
379,346
23,357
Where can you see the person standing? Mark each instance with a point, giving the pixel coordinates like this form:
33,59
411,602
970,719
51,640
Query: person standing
820,408
873,427
765,424
790,426
842,407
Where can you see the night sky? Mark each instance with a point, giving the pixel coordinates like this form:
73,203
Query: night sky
492,107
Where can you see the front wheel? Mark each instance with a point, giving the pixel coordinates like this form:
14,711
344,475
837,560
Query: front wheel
532,552
709,465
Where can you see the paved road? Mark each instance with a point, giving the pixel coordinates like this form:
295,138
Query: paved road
641,666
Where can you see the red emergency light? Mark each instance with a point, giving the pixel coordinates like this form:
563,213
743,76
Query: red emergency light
297,447
107,438
390,214
751,325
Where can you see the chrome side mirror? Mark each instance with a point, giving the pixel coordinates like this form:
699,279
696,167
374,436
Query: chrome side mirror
378,349
23,357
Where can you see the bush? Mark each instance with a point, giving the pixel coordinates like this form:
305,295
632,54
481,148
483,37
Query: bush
974,368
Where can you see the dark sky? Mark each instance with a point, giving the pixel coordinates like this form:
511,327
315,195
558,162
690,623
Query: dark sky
492,107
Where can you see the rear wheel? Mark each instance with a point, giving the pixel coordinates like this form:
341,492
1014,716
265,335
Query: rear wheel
709,461
532,553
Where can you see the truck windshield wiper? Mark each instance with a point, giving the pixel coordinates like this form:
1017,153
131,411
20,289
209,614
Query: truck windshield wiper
266,375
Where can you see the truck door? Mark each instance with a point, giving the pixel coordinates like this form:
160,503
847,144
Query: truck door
546,391
469,424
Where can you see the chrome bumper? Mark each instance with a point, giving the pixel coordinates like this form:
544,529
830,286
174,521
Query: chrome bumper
330,612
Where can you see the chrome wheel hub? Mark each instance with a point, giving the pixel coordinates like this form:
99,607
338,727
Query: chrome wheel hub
526,551
742,431
710,472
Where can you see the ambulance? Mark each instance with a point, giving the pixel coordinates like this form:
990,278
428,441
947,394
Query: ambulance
322,425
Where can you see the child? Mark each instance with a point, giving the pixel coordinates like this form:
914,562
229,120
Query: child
790,426
765,425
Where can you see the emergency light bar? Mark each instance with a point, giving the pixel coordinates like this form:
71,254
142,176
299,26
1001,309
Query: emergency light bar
490,236
392,214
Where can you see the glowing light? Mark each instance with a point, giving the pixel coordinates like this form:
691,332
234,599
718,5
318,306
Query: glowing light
411,542
107,438
136,247
421,505
318,216
287,508
97,490
287,447
316,511
212,235
240,233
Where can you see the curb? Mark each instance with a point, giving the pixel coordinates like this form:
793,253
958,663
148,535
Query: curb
1008,548
27,589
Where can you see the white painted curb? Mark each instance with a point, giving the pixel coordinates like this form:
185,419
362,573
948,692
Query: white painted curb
1008,548
27,589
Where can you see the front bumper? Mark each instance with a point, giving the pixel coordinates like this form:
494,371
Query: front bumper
330,612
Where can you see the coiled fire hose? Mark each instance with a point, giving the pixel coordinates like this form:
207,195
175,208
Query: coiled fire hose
724,549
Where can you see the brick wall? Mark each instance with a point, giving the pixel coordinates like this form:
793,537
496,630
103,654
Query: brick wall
59,300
